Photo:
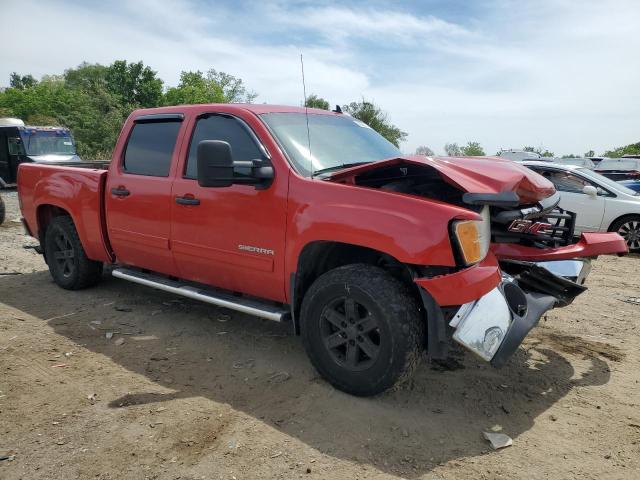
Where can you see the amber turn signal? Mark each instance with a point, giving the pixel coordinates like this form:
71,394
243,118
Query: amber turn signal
468,237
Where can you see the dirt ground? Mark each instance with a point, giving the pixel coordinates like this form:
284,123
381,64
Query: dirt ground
187,391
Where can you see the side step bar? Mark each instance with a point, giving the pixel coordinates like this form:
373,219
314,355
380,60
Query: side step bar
219,298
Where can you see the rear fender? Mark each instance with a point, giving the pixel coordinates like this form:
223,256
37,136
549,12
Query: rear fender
80,195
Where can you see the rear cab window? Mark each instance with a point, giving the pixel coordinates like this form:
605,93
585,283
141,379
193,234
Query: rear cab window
150,147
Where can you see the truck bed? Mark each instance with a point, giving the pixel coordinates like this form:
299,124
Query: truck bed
77,190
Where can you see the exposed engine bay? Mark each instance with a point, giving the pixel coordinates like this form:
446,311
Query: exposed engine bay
537,224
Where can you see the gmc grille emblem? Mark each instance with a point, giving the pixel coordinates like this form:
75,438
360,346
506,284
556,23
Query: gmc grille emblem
532,228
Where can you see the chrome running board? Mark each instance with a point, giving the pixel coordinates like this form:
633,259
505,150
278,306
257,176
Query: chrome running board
263,309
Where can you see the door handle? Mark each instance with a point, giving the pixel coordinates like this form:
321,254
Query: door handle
120,192
187,200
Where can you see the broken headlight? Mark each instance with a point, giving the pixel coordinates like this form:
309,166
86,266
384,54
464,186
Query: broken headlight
473,237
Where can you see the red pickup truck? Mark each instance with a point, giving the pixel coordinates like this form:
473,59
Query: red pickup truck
312,217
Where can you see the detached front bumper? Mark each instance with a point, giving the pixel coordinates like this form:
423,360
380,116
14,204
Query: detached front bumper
494,325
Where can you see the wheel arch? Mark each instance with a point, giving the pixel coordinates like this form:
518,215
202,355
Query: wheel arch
318,257
44,214
615,225
620,218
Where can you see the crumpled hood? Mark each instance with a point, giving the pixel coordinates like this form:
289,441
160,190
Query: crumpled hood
482,175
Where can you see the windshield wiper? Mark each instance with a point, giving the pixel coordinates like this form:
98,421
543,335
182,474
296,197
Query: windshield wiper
338,167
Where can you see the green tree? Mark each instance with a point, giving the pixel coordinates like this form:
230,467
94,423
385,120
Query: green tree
93,100
631,149
86,76
376,118
314,101
94,116
590,153
134,84
452,149
21,81
424,150
472,149
214,87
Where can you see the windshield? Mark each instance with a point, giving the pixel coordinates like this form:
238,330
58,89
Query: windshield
335,140
606,182
47,142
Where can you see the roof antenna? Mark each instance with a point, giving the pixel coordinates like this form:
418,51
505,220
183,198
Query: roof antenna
306,114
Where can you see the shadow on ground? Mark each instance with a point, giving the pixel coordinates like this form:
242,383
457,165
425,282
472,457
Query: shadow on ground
258,368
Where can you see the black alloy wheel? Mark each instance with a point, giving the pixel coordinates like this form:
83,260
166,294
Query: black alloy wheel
68,263
362,328
63,254
350,334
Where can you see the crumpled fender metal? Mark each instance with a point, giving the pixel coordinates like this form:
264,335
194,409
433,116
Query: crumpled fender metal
590,244
465,285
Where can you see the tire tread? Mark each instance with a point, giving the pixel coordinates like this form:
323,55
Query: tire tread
401,308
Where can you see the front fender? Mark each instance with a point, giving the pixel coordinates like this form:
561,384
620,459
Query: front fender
410,229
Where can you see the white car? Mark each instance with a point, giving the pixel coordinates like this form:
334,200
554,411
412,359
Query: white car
600,204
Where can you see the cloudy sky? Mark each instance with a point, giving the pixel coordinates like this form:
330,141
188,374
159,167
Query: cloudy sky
561,74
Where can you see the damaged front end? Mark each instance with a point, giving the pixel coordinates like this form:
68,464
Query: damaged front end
518,259
494,325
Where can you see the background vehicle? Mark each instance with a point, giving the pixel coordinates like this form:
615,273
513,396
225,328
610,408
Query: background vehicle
371,255
632,184
20,143
578,162
596,160
600,204
619,168
519,155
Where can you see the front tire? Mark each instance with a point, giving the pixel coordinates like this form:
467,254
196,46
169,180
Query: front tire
67,260
2,211
629,229
362,329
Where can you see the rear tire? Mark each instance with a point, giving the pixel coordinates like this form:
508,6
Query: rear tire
67,260
2,211
628,228
362,329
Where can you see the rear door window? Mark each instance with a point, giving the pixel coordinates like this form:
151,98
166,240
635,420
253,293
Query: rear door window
150,148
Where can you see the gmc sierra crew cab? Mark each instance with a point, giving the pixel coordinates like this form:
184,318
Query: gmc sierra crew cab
312,217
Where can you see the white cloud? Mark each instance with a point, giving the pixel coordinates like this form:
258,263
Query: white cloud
339,23
553,72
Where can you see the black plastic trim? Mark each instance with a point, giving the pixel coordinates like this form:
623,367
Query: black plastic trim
159,117
437,341
537,305
292,290
501,199
187,201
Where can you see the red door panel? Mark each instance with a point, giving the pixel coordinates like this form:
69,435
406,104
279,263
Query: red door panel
234,239
138,195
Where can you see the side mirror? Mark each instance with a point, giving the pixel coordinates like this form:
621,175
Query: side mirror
590,190
216,167
215,164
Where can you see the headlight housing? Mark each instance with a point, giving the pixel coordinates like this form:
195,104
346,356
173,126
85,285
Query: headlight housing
473,237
